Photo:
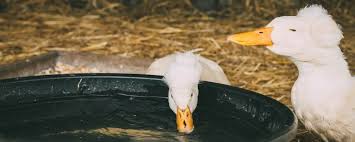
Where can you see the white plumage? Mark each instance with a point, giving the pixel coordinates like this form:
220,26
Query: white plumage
323,95
211,71
182,73
182,76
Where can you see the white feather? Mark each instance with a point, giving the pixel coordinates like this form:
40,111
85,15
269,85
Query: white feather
323,28
182,73
312,11
323,95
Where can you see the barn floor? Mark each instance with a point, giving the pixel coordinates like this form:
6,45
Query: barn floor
167,27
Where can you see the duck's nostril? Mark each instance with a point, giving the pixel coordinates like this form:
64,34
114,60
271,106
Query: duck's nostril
261,32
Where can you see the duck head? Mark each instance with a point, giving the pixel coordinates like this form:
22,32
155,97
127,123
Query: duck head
304,37
182,78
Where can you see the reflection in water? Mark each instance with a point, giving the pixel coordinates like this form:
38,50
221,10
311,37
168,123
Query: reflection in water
133,134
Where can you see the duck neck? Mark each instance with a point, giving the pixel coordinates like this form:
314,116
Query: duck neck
330,63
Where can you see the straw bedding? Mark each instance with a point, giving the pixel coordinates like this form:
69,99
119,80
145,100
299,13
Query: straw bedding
157,28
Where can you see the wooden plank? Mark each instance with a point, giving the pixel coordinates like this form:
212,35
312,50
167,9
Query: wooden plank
104,63
29,66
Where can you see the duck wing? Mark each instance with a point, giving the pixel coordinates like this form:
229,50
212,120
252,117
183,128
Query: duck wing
161,65
212,72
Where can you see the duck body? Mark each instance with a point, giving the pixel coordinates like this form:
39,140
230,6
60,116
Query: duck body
323,96
211,71
182,73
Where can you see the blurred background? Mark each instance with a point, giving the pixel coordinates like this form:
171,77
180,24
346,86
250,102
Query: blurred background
155,28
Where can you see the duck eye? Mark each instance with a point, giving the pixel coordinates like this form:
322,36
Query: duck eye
293,30
191,95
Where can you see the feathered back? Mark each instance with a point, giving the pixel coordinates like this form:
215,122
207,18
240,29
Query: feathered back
184,72
323,27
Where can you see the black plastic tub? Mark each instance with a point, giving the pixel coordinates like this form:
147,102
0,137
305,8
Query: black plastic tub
128,107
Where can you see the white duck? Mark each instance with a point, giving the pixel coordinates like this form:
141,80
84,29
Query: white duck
182,73
323,95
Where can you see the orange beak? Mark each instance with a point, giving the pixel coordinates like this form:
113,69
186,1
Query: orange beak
260,36
184,120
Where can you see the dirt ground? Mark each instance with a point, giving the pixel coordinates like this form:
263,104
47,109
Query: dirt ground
35,27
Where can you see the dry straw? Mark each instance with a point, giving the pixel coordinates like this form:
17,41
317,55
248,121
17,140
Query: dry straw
160,27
